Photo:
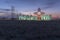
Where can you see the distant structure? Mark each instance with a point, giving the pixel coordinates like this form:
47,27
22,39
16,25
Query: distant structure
12,12
39,13
39,10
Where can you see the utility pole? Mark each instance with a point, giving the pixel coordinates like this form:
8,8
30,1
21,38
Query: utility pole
12,12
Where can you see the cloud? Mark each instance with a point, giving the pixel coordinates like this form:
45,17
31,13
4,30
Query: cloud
50,3
47,3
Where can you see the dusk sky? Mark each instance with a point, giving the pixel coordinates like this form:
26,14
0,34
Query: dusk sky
48,6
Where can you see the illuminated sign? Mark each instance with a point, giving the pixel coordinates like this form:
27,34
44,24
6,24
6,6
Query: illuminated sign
45,17
27,18
22,18
34,18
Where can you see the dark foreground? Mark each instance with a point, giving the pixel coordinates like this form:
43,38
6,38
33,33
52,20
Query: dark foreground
29,30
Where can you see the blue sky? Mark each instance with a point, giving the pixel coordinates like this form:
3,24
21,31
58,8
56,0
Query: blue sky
48,6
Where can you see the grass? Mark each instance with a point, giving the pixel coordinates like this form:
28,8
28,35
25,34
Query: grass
29,30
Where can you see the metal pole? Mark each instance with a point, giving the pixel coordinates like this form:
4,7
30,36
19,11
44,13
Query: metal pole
12,11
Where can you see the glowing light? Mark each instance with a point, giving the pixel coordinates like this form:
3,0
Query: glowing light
45,17
27,18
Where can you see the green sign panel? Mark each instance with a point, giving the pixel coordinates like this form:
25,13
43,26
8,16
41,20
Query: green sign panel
34,18
22,17
27,18
45,17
